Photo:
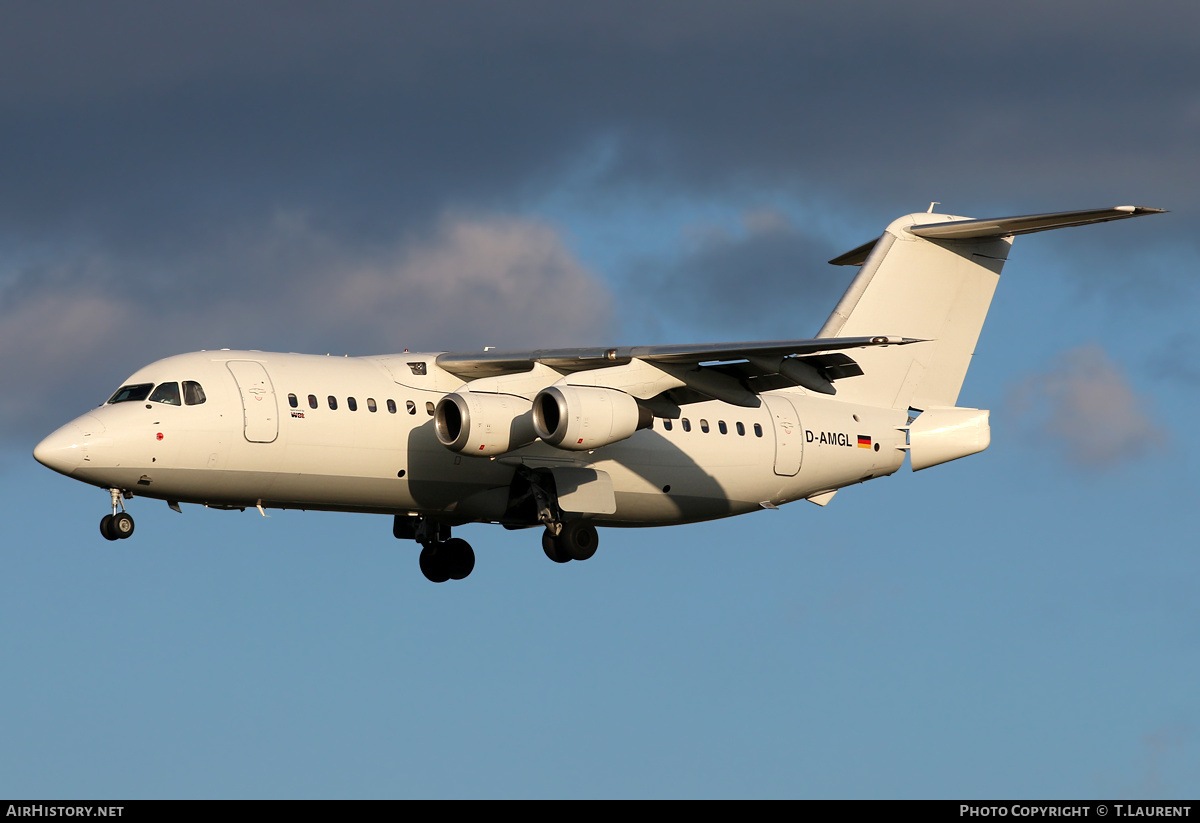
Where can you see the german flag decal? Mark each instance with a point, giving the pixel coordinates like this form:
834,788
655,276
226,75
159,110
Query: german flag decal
864,441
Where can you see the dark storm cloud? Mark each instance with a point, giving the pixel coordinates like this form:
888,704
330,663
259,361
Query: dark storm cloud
764,279
204,174
141,112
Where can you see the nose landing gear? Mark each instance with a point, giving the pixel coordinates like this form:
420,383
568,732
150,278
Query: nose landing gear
119,524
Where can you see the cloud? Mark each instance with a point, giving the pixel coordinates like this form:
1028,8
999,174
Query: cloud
496,281
764,278
143,120
466,283
1084,407
158,135
278,175
51,343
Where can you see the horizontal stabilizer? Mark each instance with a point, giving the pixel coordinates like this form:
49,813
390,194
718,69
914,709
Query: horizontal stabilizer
1026,224
968,229
855,257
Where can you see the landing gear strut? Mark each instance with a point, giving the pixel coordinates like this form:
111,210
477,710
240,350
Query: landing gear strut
119,524
442,557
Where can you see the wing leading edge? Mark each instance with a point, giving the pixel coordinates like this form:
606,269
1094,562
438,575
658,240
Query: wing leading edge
475,364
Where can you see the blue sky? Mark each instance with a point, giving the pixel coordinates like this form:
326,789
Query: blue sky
1021,623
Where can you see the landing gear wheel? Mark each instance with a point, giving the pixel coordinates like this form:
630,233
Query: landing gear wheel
121,525
460,558
433,563
552,550
578,539
118,525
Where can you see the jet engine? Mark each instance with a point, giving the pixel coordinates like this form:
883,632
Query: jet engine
579,418
483,424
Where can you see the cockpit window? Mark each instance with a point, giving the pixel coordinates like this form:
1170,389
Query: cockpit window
193,394
137,391
166,393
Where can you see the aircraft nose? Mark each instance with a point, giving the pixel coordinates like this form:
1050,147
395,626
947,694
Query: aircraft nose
64,449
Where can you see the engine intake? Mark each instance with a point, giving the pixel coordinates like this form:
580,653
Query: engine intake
483,424
580,418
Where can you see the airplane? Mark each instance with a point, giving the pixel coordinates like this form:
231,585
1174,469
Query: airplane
570,439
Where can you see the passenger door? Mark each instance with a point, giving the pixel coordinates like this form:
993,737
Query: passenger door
259,408
789,438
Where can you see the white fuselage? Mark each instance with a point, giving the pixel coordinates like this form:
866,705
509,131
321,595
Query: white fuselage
267,435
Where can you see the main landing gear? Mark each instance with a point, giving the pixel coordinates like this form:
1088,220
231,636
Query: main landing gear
534,494
119,524
452,560
442,557
576,540
449,558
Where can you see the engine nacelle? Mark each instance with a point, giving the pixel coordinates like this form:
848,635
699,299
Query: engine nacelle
579,418
483,424
940,435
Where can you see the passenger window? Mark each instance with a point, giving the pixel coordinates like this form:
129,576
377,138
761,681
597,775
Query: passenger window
193,394
741,429
721,425
293,401
333,402
137,391
703,425
667,425
351,404
410,406
371,405
757,430
429,407
312,401
687,425
391,405
166,393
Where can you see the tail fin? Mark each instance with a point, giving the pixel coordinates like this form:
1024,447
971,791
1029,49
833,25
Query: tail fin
932,277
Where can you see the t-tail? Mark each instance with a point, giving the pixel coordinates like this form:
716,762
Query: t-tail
931,277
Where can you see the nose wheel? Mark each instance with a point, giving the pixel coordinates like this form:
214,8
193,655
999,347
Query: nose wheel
119,524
